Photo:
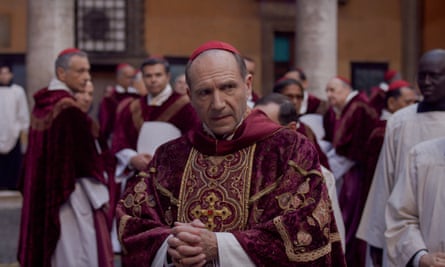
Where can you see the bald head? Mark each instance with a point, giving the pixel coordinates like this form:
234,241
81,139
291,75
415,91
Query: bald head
125,76
431,77
238,59
219,87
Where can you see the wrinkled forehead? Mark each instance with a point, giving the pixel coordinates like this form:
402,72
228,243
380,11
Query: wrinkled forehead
211,60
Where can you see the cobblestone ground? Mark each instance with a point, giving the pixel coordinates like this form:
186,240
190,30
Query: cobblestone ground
10,209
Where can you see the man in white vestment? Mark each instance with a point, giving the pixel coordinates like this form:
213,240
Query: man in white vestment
406,128
414,214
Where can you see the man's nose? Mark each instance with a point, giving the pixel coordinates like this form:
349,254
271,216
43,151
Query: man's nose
218,100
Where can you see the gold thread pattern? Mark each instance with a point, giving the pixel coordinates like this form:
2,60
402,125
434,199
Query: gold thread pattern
216,189
302,171
140,197
122,223
297,254
266,190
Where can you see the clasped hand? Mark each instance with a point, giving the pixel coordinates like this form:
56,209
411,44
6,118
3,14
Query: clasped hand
191,244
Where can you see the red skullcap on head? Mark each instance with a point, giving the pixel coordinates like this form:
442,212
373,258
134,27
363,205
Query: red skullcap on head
121,66
398,84
343,79
389,74
213,45
282,78
68,51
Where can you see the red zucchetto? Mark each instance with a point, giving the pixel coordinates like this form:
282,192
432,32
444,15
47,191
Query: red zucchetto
68,51
398,84
218,45
343,79
121,66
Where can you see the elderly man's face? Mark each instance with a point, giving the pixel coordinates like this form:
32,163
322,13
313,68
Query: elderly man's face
218,92
77,74
126,76
431,77
337,93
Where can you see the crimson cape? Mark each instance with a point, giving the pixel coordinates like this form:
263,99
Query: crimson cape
107,111
61,148
176,110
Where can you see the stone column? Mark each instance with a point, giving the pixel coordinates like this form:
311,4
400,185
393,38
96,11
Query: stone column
411,38
50,29
316,42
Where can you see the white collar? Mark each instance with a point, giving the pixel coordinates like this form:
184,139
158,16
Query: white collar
304,103
121,90
351,95
385,114
227,137
57,84
161,98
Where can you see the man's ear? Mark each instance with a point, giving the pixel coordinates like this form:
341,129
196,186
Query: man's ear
391,104
248,81
292,125
60,73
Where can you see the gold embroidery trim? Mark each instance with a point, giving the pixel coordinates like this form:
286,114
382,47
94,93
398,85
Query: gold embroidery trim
334,237
122,223
303,171
165,192
266,190
301,256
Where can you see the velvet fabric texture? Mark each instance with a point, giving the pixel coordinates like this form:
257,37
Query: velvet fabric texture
176,110
307,131
61,148
350,134
284,217
108,109
315,105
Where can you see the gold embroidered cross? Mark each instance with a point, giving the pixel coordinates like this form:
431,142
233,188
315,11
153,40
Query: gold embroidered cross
211,212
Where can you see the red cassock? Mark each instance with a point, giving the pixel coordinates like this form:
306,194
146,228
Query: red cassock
176,110
108,109
315,105
264,186
61,149
377,99
349,134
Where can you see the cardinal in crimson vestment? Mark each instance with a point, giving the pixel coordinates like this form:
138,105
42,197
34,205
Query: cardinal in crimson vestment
64,185
236,190
114,97
348,123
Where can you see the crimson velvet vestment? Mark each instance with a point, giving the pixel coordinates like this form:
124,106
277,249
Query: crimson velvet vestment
307,131
264,186
61,149
315,105
349,135
176,110
108,109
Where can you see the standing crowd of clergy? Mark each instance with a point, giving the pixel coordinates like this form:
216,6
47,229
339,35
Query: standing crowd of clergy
287,179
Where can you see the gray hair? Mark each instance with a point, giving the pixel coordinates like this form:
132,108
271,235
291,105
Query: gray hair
63,61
